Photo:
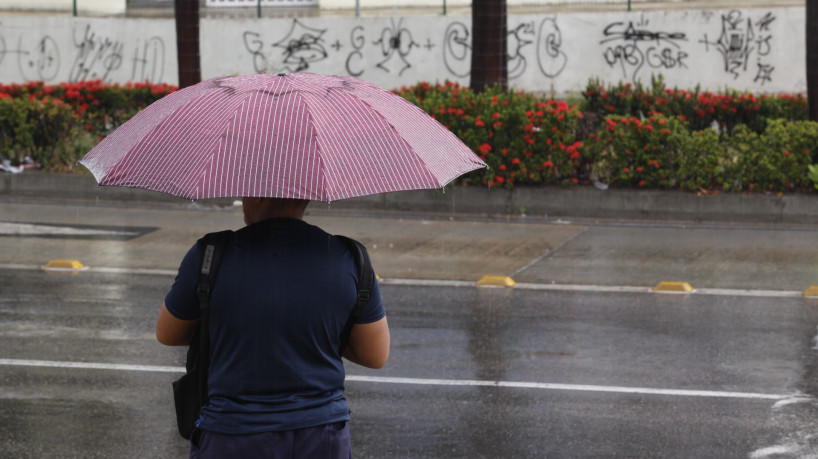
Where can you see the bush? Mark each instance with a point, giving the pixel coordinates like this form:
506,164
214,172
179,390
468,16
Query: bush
777,160
625,136
523,138
100,107
641,153
15,135
41,130
701,110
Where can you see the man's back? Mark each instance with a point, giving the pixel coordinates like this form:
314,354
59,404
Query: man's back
284,292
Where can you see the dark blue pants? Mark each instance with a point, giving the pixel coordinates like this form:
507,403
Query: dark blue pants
330,441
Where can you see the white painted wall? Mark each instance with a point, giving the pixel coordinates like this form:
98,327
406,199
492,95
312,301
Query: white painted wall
62,48
350,4
760,50
83,6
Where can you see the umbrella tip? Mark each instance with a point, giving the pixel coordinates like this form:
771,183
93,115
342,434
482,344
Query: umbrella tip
281,74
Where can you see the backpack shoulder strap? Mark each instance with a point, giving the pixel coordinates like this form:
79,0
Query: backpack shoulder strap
366,282
211,249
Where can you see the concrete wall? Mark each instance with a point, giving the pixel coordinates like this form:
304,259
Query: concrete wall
349,4
83,6
55,49
760,50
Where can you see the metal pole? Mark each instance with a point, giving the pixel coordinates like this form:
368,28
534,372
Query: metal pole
444,7
489,57
258,9
75,8
812,59
187,41
629,5
357,8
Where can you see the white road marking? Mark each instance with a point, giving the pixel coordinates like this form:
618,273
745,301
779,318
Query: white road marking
425,381
90,365
568,387
777,450
465,283
31,229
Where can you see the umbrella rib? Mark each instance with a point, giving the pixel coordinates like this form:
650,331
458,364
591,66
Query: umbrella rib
414,177
329,192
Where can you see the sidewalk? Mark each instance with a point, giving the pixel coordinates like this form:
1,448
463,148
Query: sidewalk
546,203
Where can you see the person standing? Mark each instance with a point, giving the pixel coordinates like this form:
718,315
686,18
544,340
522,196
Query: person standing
283,294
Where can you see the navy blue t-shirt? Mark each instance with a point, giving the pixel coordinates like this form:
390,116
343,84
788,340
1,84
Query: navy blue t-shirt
281,299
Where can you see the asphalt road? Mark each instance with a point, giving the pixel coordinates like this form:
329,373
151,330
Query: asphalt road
580,359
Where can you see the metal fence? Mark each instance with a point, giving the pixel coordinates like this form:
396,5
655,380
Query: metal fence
243,9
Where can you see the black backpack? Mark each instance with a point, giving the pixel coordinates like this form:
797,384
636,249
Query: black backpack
190,391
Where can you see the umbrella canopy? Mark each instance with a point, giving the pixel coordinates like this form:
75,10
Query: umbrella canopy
300,135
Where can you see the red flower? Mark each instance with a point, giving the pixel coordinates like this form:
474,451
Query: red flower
479,122
548,164
495,115
515,161
786,153
484,148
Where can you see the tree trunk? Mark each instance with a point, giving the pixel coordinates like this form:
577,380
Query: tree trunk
812,58
489,57
187,41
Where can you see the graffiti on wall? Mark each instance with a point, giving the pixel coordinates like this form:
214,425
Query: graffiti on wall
745,45
42,61
632,47
544,52
525,42
550,56
88,55
304,46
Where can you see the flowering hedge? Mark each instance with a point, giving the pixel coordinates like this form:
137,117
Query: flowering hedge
631,136
701,109
54,125
661,152
622,136
524,139
100,106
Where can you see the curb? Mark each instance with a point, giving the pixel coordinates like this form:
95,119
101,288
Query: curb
540,202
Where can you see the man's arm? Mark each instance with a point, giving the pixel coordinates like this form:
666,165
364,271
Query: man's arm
369,344
172,331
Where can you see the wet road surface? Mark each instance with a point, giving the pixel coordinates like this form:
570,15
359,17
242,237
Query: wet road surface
569,363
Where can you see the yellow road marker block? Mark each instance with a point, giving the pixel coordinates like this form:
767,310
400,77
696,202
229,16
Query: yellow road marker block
64,265
812,291
673,287
499,281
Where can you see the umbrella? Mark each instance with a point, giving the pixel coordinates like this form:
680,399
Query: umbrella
299,135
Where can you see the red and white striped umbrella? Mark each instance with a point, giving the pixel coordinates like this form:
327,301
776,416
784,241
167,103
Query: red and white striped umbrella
301,136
